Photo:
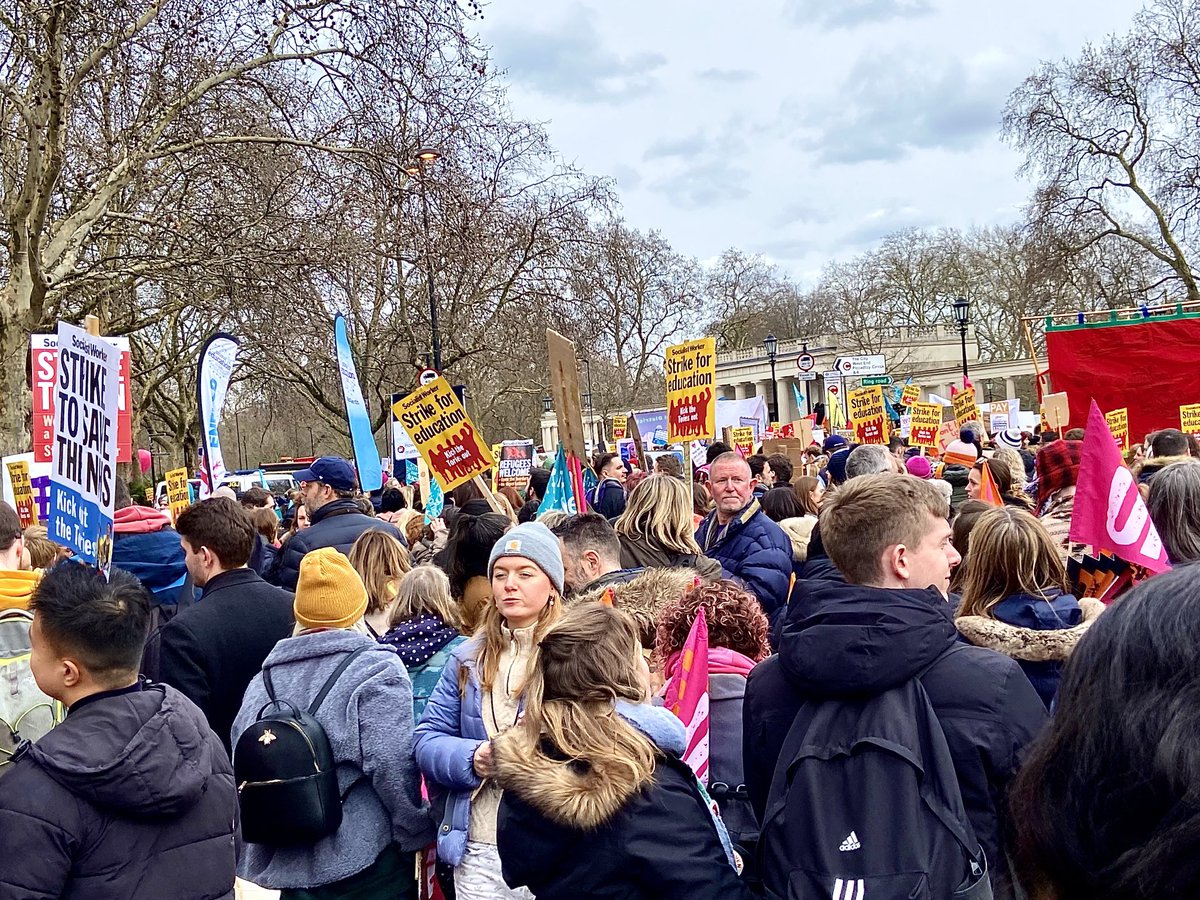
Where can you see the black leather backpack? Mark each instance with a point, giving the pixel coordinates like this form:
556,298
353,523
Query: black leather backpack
285,771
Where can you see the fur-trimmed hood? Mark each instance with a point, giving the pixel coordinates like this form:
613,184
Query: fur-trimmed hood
1145,469
1029,644
644,597
581,794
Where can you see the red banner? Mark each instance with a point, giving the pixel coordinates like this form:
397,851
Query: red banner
1148,366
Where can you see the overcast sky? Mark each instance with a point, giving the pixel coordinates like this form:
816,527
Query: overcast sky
804,130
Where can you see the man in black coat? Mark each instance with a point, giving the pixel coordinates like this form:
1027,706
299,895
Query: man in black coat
329,486
889,537
131,797
212,650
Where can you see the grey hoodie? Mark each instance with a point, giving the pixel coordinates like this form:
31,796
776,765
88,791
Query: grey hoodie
368,718
131,798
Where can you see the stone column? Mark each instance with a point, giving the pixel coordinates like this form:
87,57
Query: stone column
787,404
1010,388
763,389
740,391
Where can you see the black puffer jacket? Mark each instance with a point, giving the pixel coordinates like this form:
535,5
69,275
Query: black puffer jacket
337,524
843,640
131,798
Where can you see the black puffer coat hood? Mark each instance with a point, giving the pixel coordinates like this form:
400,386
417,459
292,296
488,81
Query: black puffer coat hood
842,640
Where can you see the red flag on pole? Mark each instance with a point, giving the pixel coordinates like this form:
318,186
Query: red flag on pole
1109,513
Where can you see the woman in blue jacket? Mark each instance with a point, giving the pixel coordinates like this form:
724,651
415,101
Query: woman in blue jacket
480,696
1015,600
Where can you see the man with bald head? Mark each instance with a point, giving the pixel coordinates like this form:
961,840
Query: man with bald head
737,534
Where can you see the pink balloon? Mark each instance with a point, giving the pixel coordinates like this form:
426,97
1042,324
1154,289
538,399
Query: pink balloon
144,459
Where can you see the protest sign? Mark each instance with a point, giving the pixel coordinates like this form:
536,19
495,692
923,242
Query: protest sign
179,494
1056,412
792,449
564,389
691,372
83,466
619,427
22,492
43,361
910,395
402,446
742,440
965,407
39,482
1189,418
514,464
1118,424
868,415
998,416
445,436
926,425
804,430
946,434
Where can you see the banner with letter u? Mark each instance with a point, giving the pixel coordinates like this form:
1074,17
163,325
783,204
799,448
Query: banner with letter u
218,356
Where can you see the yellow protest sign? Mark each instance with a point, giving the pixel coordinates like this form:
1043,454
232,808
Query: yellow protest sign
926,424
691,371
868,415
495,469
22,488
1189,418
444,434
1118,424
178,495
743,440
965,407
620,427
910,395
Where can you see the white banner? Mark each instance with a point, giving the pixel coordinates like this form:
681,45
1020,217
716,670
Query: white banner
217,359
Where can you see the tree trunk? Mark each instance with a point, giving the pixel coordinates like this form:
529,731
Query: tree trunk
15,398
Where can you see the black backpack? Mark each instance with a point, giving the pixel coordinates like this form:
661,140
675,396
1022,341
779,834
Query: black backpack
285,771
865,805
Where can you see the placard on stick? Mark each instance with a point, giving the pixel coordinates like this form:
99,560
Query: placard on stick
791,448
910,395
925,425
83,467
564,387
965,407
868,415
1118,424
22,489
620,427
742,440
444,434
1056,411
178,493
691,371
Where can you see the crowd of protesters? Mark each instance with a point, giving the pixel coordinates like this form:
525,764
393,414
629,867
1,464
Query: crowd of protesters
499,690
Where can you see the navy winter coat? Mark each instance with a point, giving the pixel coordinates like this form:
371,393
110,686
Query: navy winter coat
337,524
846,640
130,798
211,650
754,550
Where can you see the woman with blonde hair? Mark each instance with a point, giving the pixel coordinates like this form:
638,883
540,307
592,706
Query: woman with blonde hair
480,696
381,561
656,529
597,802
424,630
1015,600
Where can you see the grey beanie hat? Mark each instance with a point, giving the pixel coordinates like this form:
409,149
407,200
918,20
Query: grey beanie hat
535,542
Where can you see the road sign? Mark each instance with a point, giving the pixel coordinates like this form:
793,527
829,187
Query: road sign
833,389
805,362
860,365
807,376
873,380
427,376
832,375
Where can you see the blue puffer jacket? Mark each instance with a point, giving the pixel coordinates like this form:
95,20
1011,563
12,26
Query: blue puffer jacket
445,743
425,644
753,550
337,524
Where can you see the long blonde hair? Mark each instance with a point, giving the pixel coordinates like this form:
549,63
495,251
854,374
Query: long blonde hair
425,589
381,561
585,662
660,510
1009,552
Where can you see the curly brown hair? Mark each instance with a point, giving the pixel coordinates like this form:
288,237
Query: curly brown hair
735,621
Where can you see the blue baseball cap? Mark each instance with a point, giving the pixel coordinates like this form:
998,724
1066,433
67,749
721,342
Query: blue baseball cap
331,470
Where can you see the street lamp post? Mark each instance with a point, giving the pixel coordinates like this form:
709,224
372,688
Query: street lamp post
426,156
962,317
771,343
